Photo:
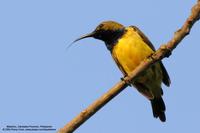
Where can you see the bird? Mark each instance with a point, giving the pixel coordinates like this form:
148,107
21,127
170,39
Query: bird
129,46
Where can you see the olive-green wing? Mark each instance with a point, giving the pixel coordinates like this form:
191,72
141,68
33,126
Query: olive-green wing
166,78
145,39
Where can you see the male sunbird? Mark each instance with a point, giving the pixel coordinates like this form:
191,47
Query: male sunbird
128,47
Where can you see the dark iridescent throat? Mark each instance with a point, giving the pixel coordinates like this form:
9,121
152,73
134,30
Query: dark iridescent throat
111,37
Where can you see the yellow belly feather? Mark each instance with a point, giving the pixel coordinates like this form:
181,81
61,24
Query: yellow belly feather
129,51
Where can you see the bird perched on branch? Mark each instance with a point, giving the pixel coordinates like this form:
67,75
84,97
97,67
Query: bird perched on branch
128,47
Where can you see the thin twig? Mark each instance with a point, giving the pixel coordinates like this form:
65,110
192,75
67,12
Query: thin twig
164,51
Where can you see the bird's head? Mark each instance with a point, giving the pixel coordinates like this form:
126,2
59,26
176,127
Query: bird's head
108,31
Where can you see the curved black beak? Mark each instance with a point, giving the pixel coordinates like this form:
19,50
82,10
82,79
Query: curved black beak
84,36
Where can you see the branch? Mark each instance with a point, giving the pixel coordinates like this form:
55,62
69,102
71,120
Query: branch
164,51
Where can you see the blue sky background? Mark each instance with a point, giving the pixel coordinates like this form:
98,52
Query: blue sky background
43,84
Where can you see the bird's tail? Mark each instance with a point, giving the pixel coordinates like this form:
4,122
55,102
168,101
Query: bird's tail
158,108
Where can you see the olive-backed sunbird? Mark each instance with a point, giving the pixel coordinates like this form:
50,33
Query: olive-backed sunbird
128,47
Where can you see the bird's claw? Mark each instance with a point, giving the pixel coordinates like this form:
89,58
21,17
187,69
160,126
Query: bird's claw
126,81
166,48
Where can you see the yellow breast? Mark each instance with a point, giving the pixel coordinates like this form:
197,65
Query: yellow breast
130,50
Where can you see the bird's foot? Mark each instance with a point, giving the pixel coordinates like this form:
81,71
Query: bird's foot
167,49
126,81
